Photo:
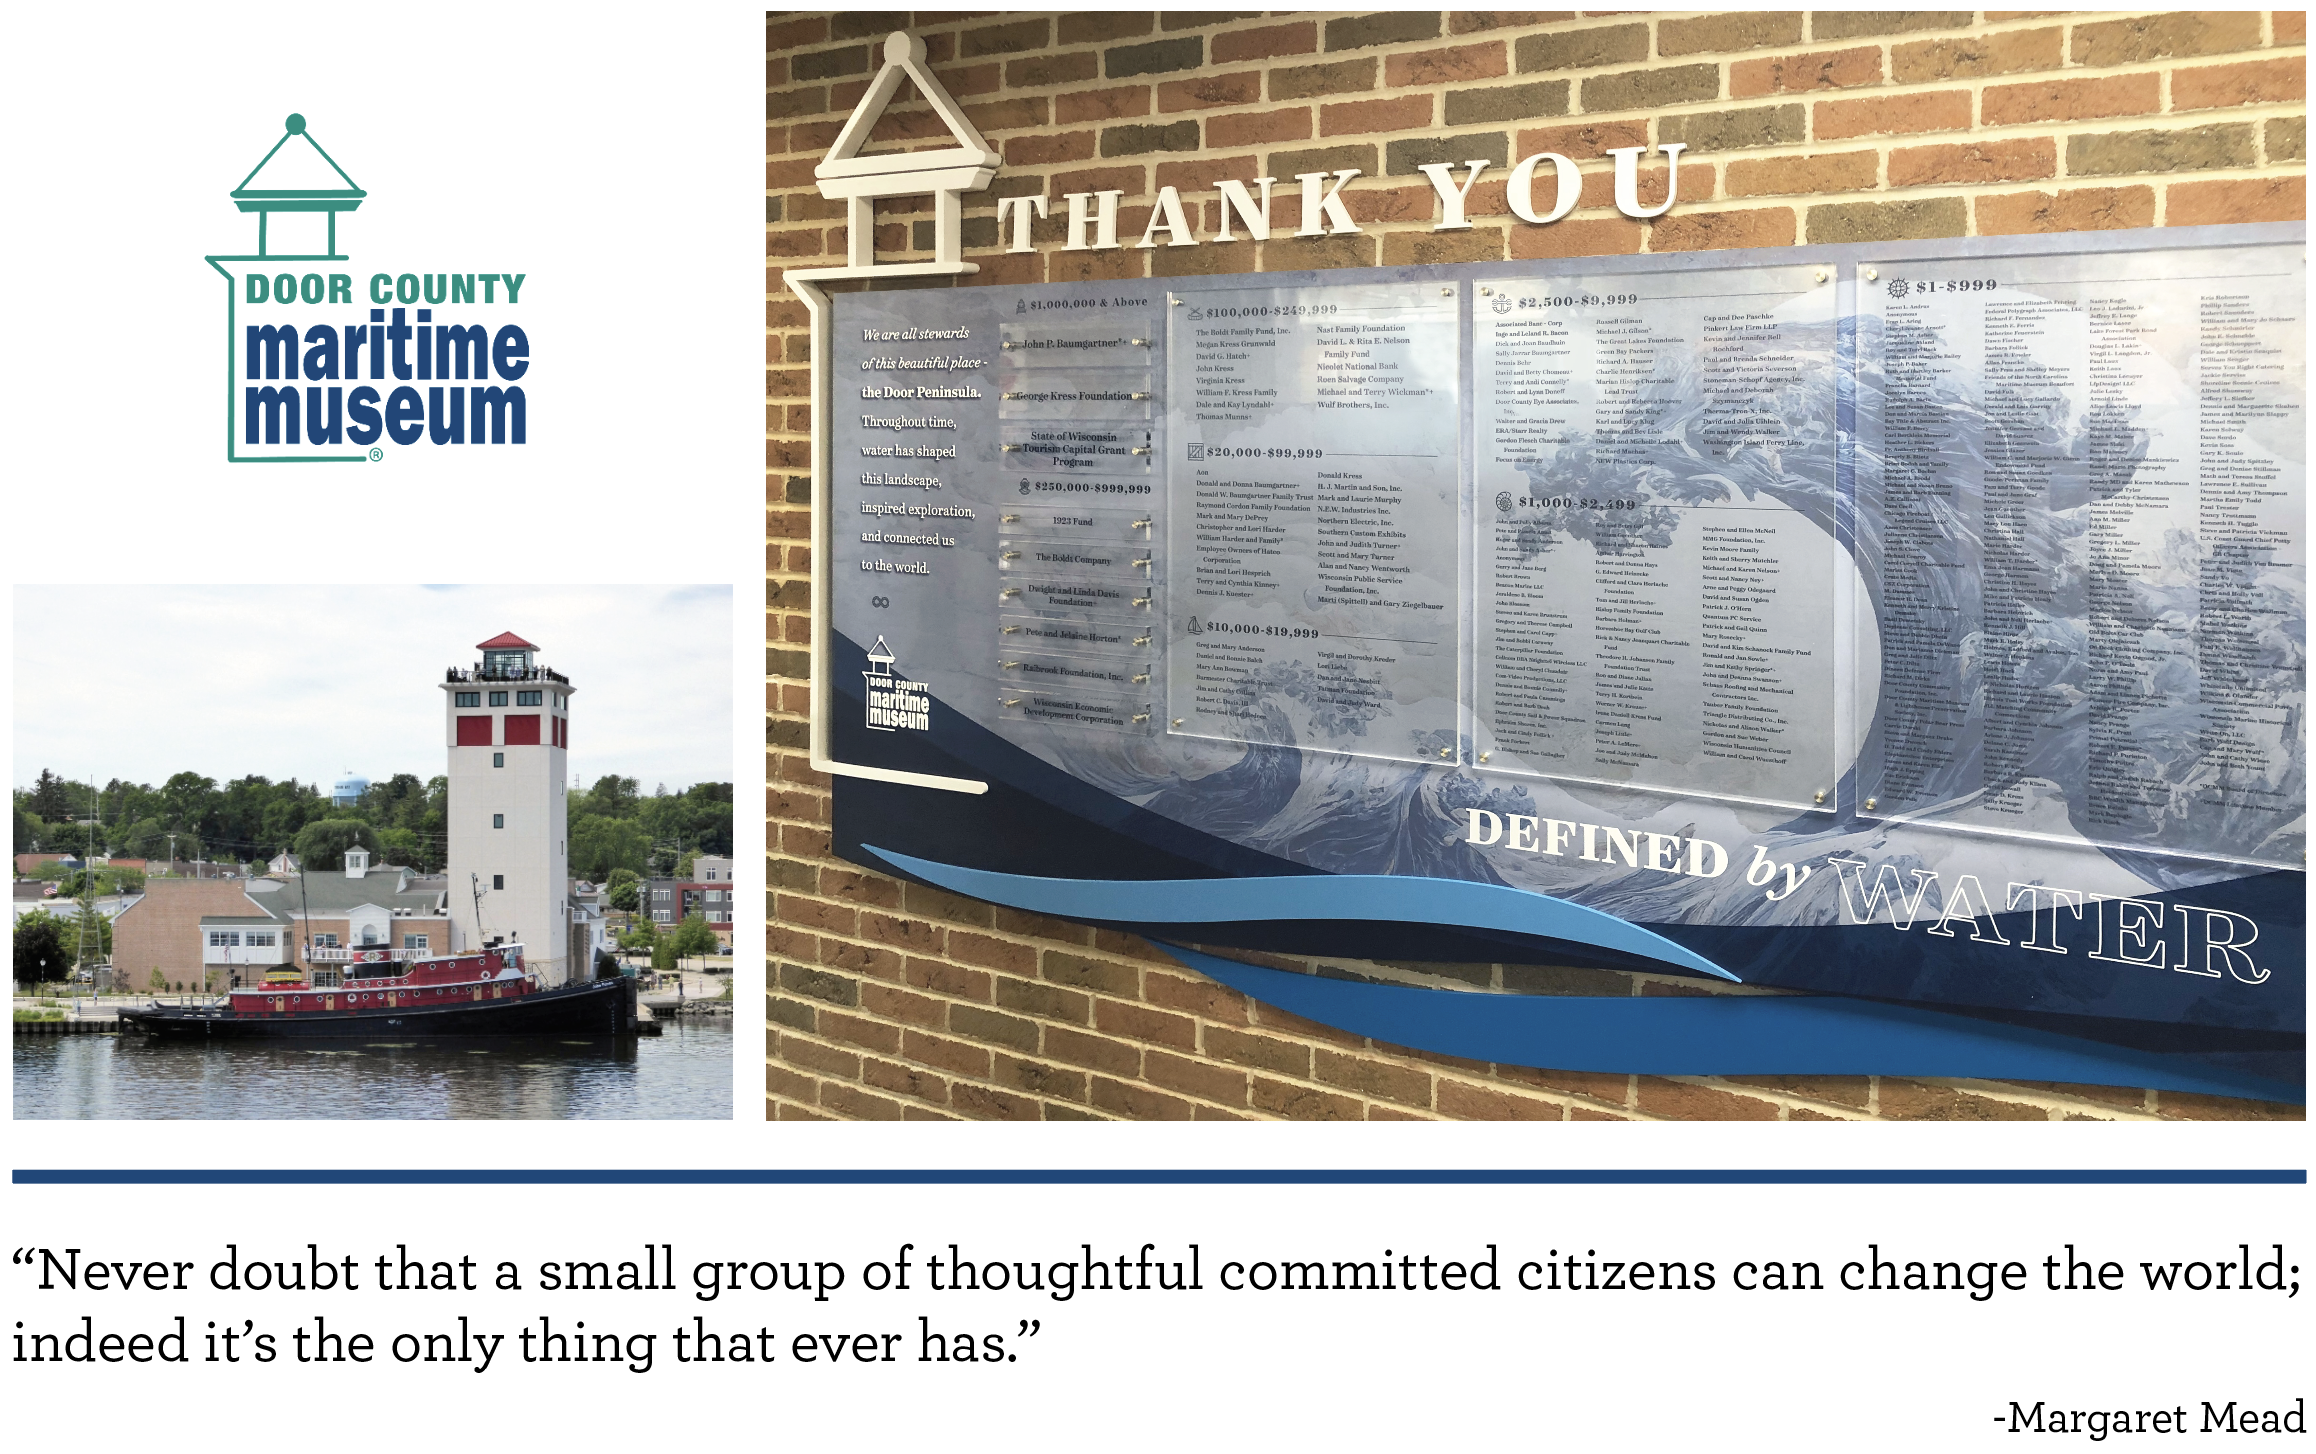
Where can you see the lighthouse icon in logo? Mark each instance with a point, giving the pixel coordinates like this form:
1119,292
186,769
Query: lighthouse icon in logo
894,702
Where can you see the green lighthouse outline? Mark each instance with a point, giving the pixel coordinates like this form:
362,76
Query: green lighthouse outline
265,201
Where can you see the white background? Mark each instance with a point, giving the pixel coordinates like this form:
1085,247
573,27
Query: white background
615,156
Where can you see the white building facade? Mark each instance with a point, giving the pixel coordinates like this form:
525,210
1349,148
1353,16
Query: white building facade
507,730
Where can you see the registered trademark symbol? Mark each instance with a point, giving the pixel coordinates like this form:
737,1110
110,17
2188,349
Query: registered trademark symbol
376,454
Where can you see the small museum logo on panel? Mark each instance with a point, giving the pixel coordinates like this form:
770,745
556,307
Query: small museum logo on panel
329,362
894,702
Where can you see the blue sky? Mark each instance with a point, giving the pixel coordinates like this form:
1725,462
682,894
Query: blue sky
142,682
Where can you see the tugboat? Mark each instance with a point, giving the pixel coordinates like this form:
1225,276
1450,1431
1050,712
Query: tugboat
481,992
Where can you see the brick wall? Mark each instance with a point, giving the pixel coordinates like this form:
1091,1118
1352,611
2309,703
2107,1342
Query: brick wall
162,930
891,1001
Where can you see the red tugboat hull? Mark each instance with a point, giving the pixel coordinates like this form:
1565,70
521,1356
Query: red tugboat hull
481,992
600,1007
596,1008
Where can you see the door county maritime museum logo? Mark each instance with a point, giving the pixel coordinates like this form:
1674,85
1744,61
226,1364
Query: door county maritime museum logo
330,363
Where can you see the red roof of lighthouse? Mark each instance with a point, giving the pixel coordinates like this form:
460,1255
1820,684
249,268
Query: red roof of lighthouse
505,641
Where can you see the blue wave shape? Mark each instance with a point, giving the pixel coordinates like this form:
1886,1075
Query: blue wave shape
1390,898
1716,1034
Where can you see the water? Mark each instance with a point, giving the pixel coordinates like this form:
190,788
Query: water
683,1074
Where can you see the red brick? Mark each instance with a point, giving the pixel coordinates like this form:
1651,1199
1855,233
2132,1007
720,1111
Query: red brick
1233,88
984,1103
1393,113
2076,209
1335,78
1911,1100
1254,128
2188,1106
1010,920
860,959
1607,1087
912,936
813,914
2044,102
904,1080
2019,159
1010,114
859,888
856,1031
1841,171
2246,83
781,1081
932,903
854,1104
1825,70
1038,151
1037,1078
1074,1047
1465,22
1139,1103
1971,57
1372,1077
1200,997
954,1056
2263,199
1101,105
1303,1102
1891,115
1584,141
791,34
1263,42
820,1059
1691,231
2291,26
1206,173
2160,37
1678,1100
944,978
1448,64
1139,1022
888,1003
1195,1078
1089,267
1462,1101
1480,244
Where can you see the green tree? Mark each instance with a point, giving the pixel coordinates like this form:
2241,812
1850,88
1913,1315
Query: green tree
49,800
693,937
41,948
620,876
90,940
601,846
189,803
141,839
627,896
29,829
321,846
401,845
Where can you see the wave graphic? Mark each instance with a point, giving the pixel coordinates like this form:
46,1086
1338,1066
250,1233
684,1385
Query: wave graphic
1389,898
1717,1035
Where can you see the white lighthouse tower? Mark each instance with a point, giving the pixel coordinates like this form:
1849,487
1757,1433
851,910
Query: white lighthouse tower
507,725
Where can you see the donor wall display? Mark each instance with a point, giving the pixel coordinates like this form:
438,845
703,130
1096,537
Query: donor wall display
1921,623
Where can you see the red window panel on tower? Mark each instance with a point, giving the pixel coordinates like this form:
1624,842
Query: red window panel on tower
523,731
566,723
474,731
